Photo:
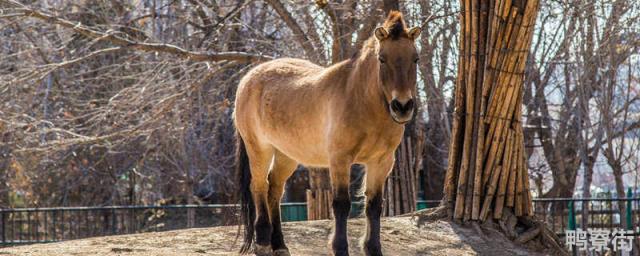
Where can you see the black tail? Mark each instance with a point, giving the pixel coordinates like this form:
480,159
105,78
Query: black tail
247,206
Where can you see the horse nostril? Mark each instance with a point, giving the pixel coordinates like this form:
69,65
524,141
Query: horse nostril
396,106
409,105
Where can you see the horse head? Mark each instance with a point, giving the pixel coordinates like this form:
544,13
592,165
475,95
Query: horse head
398,59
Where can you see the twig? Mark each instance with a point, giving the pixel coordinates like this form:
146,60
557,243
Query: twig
241,57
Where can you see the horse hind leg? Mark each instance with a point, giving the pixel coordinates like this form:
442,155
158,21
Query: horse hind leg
259,160
281,170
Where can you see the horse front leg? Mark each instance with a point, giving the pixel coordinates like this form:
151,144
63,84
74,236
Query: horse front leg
376,175
340,177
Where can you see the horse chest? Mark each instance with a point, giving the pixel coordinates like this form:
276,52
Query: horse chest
378,144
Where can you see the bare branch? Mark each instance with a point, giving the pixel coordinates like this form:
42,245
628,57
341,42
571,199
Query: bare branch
241,57
300,35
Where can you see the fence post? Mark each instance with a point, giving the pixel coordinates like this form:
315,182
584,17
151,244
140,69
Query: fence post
4,228
629,210
572,216
62,224
29,229
55,227
114,221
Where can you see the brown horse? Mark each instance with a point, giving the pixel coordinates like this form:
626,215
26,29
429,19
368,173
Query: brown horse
291,111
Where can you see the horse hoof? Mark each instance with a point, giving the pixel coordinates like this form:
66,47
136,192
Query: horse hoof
281,252
263,250
372,253
372,249
341,253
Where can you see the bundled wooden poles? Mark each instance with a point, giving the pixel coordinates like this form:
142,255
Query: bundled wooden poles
319,204
400,190
319,196
487,170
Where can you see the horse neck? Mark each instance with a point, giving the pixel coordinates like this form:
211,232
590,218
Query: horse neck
364,81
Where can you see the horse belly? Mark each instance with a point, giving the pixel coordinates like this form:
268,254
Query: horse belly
296,128
305,147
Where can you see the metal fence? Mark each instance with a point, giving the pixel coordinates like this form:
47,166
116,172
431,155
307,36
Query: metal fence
41,225
562,214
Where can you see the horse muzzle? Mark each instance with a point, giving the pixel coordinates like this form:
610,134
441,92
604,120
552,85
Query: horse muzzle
401,112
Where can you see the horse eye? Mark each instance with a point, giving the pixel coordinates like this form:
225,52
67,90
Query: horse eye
416,60
382,60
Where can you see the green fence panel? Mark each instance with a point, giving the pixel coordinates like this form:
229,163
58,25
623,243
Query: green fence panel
293,212
629,210
572,216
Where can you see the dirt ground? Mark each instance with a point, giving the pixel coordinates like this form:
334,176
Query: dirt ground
400,236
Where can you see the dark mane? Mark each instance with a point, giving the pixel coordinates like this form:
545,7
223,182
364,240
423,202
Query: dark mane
395,25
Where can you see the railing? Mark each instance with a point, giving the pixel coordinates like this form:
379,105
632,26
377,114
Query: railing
563,214
42,225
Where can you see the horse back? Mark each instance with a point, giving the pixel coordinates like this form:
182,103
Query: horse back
284,103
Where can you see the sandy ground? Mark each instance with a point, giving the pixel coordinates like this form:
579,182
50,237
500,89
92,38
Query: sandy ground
400,236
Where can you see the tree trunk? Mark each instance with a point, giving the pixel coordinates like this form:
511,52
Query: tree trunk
434,55
616,168
586,191
435,156
487,173
620,193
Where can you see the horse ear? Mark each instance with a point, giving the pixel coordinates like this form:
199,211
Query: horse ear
414,32
381,33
